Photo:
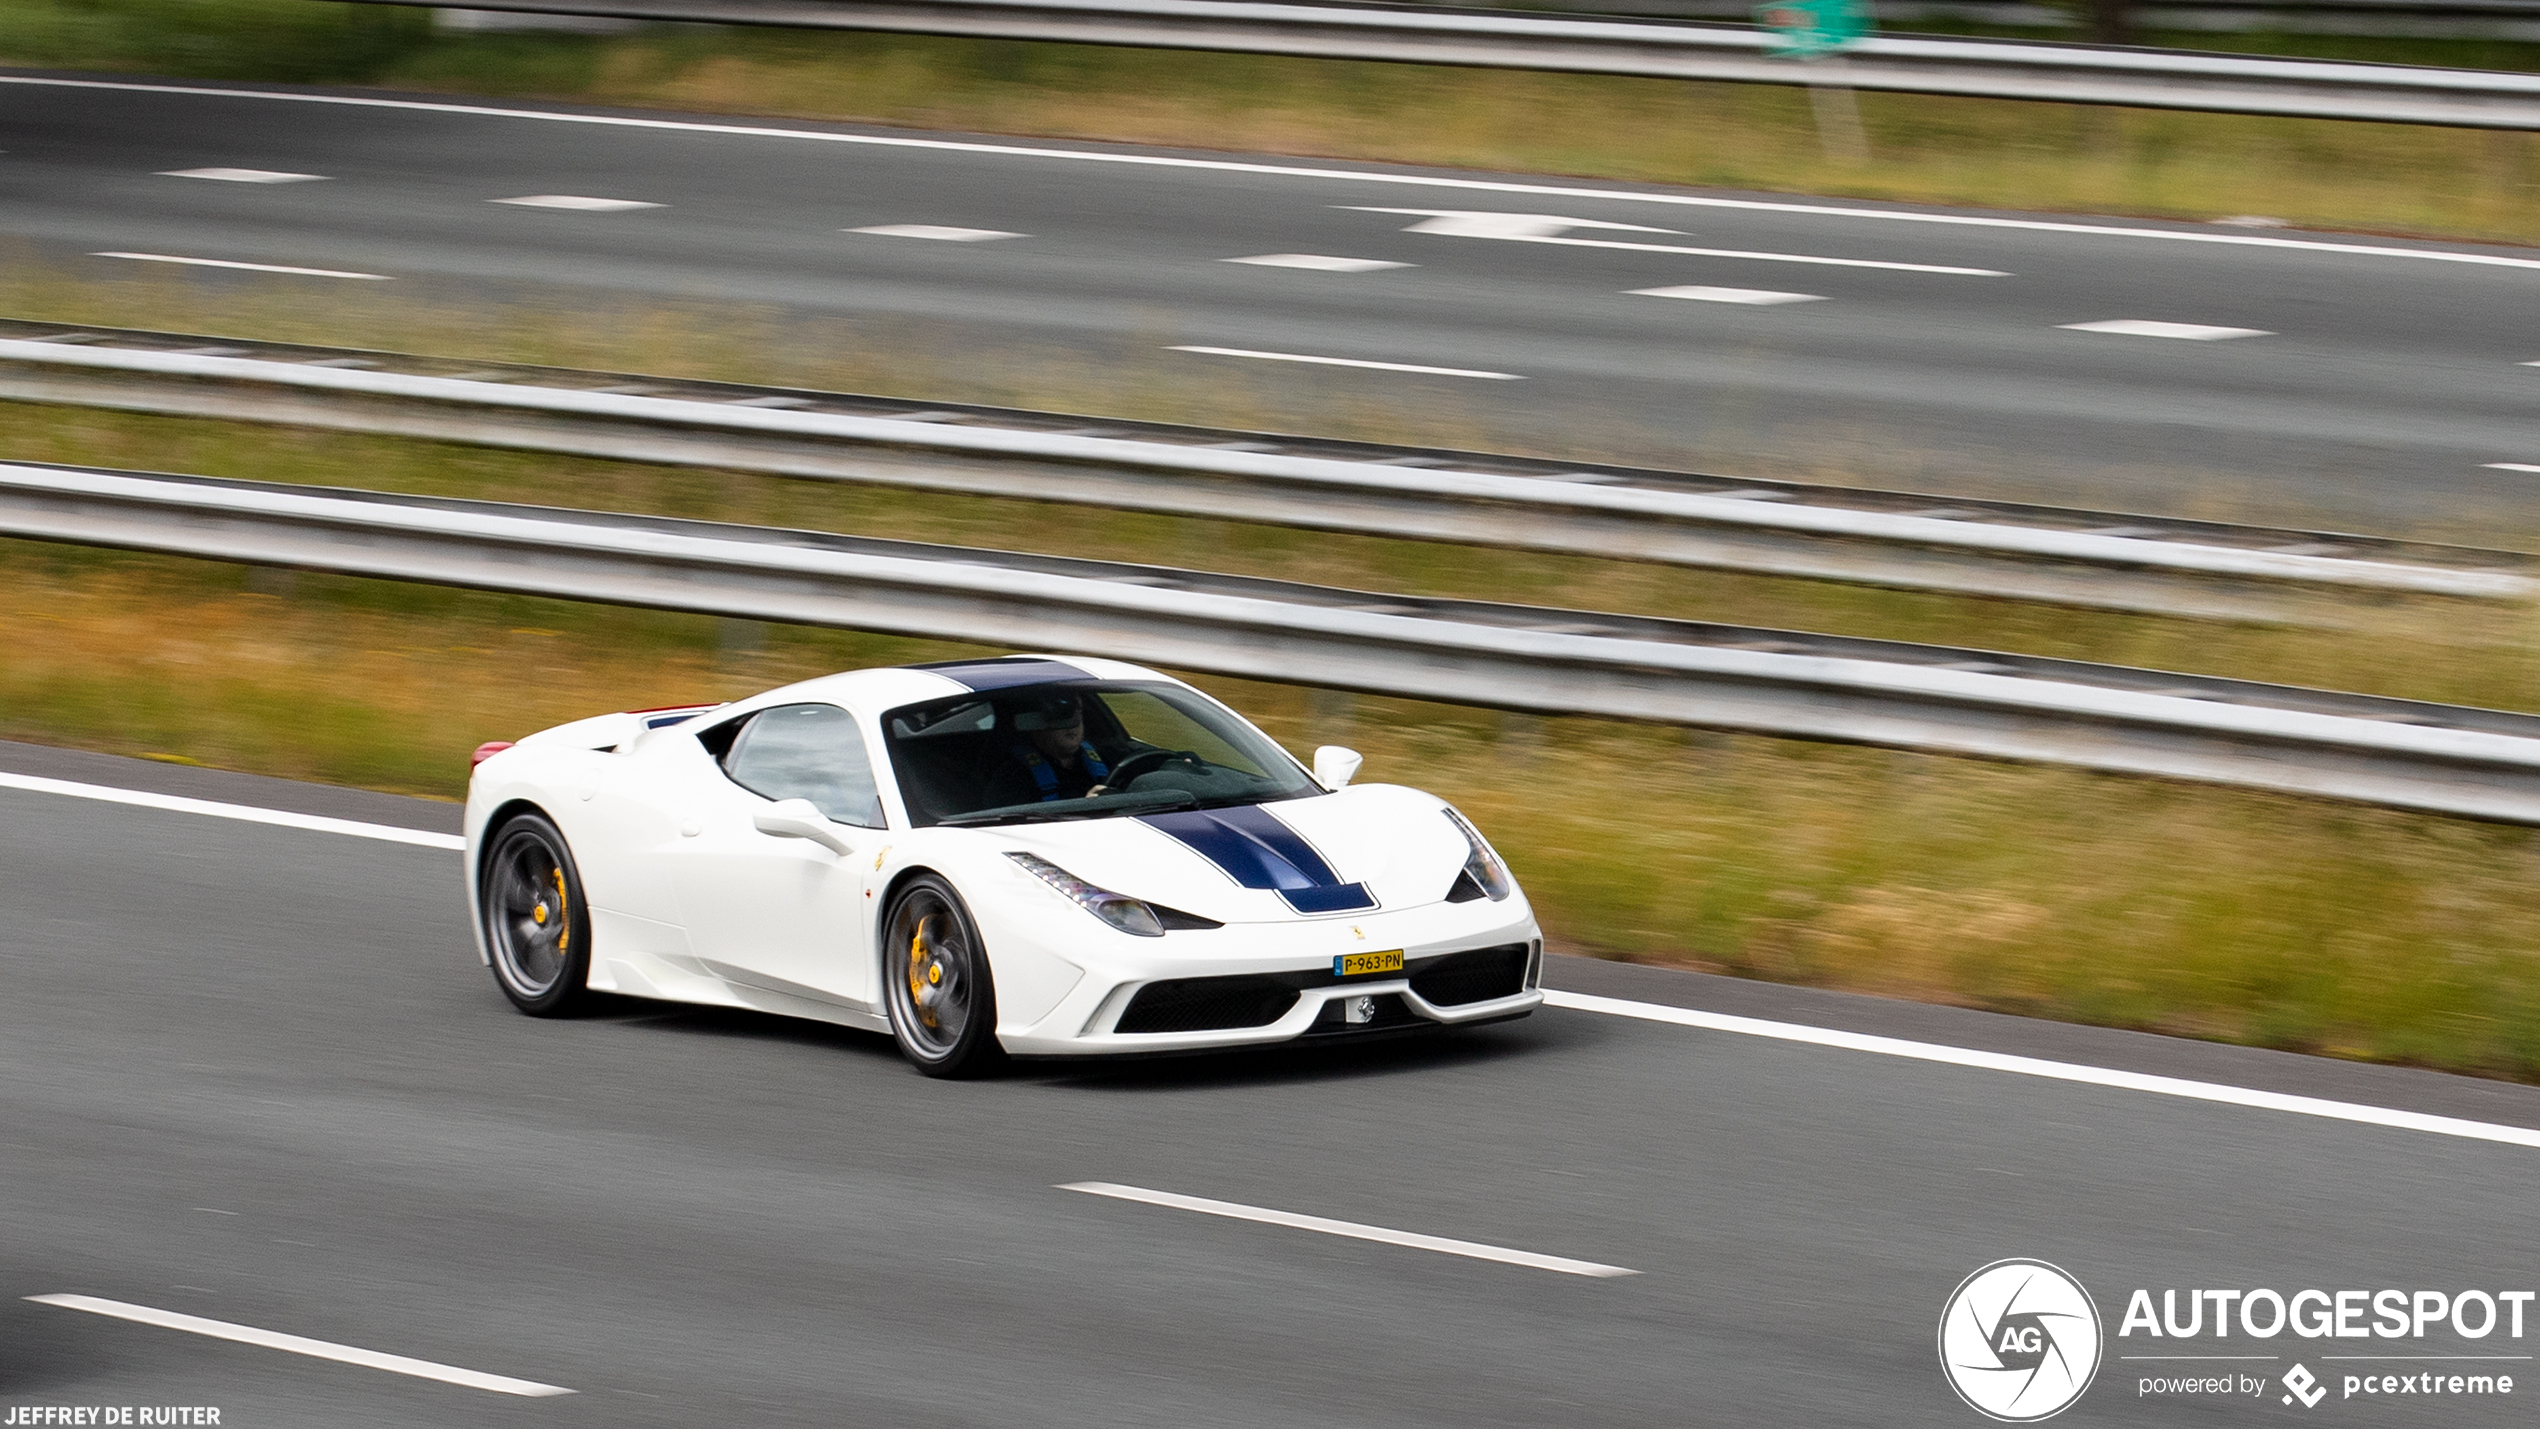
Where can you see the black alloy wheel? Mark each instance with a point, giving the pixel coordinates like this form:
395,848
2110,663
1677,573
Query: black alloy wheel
943,1004
537,924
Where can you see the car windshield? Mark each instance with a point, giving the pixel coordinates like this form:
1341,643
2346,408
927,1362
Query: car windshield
1080,749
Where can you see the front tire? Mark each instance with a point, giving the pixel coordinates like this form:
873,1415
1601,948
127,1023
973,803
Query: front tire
943,1003
537,923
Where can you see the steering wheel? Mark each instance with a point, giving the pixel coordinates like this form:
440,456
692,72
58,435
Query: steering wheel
1147,761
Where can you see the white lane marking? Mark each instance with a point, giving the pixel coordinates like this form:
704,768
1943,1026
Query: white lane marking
1809,258
1576,1001
2144,327
579,203
937,232
248,267
245,813
294,1344
1492,223
1547,227
1350,1229
1755,297
2511,466
2055,1071
1318,262
1237,166
241,176
1351,362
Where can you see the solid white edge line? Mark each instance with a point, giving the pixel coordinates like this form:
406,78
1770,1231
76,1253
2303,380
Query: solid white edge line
2055,1071
1575,1001
295,1344
244,813
1351,362
1349,1229
247,267
1234,166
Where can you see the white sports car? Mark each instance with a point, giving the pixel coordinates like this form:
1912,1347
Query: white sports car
1030,855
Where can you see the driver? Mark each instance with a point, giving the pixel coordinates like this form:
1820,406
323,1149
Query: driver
1052,760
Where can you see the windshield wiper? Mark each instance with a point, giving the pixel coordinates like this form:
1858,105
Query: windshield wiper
1127,803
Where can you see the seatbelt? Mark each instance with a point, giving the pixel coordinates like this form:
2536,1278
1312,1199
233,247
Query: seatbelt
1045,778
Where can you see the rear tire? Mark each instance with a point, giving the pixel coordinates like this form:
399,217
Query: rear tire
936,983
536,922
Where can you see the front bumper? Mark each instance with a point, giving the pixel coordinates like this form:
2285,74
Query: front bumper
1087,1021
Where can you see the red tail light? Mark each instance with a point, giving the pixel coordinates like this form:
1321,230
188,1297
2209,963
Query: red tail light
487,751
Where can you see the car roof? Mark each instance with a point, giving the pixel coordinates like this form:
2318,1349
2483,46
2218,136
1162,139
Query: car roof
892,686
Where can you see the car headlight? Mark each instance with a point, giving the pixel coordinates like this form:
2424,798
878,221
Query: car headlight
1482,867
1118,909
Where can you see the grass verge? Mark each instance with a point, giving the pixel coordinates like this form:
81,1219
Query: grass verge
1993,153
2204,912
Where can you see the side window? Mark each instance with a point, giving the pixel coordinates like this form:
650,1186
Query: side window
810,752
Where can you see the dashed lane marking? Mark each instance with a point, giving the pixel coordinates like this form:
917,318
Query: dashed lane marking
1752,297
1551,228
936,231
241,176
578,203
1352,362
298,1345
2511,466
246,267
2186,332
1318,262
1349,1229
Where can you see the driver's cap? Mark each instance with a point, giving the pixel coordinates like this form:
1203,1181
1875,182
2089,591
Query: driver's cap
1049,712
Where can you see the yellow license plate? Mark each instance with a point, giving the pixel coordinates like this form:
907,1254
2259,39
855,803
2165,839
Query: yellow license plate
1362,964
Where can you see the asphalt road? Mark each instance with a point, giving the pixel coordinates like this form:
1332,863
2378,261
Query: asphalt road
2383,384
255,1074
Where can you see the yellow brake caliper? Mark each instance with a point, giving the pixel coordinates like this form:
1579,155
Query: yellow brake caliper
920,961
538,915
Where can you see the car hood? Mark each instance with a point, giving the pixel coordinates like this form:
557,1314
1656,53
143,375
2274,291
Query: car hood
1364,848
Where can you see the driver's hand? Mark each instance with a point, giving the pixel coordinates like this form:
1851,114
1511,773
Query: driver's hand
1097,789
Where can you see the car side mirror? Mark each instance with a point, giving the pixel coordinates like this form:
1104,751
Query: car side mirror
800,819
1335,766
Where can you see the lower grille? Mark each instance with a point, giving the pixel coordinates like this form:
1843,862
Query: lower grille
1206,1004
1477,976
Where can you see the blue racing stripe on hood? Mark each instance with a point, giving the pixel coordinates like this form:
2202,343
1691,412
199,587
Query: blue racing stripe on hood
1251,846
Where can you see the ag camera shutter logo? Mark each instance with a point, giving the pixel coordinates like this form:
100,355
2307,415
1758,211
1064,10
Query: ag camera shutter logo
2019,1340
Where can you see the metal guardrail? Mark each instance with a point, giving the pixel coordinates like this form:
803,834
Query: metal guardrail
2397,753
1825,533
1998,69
2414,19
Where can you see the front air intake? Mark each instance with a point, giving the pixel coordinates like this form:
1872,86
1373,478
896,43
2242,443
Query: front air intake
1208,1004
1478,976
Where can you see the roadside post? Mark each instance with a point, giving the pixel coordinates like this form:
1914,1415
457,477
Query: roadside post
1815,33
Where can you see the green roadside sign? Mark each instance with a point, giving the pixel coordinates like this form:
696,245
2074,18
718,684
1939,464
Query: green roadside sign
1805,29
